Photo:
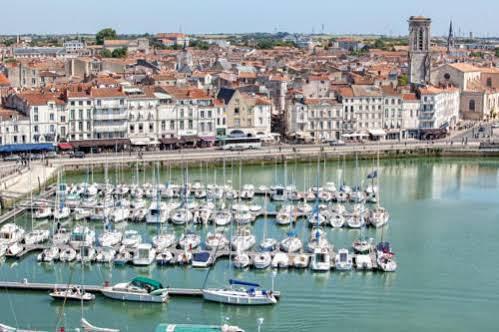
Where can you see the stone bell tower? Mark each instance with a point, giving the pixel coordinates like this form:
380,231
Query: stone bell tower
419,50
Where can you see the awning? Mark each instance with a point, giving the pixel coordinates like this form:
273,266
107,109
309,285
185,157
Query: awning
100,143
65,146
208,139
377,132
16,148
169,141
143,141
189,139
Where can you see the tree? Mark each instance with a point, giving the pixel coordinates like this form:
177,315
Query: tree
379,44
497,52
107,33
403,80
9,42
119,53
106,53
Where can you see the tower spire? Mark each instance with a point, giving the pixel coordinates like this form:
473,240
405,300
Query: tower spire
450,38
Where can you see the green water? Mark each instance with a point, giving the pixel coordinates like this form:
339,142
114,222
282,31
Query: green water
443,228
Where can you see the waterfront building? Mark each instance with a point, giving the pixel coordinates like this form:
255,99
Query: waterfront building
439,107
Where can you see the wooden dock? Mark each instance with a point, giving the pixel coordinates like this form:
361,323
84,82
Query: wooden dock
25,285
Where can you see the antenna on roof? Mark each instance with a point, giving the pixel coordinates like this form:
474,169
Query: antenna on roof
180,28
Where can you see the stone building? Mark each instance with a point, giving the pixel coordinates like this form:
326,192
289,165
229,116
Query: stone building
419,50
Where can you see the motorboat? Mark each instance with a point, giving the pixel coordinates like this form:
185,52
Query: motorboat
163,240
242,261
36,236
157,213
255,208
61,237
62,213
67,255
278,193
321,260
286,215
268,244
378,217
386,262
201,259
280,261
131,239
11,233
189,240
43,212
363,245
105,255
122,257
343,260
139,215
119,214
81,236
140,289
291,243
216,240
245,294
363,262
72,293
181,216
144,255
222,218
110,238
262,260
301,261
48,255
87,254
243,240
164,257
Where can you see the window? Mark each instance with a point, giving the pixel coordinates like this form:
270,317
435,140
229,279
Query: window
141,127
88,114
72,115
36,129
80,125
35,118
190,125
163,125
80,102
99,102
122,101
151,127
132,128
51,116
209,114
72,102
80,114
63,118
172,124
52,128
489,82
201,114
88,125
236,110
88,102
472,105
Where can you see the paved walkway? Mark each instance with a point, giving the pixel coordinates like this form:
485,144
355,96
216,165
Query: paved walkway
23,183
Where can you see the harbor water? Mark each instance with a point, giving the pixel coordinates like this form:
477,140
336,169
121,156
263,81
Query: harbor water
443,229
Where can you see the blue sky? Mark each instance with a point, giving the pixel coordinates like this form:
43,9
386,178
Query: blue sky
209,16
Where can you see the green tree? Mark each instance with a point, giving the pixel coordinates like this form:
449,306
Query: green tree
497,52
380,44
403,80
107,33
106,53
119,53
9,42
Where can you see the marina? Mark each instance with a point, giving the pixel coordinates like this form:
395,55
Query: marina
316,280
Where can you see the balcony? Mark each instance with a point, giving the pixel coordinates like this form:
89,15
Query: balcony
110,116
110,128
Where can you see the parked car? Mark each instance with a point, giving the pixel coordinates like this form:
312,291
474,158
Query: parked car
51,155
77,154
336,142
13,157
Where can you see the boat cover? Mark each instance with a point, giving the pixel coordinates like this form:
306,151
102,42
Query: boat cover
141,281
242,283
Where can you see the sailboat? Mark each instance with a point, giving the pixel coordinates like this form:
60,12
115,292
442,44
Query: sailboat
240,293
267,244
163,239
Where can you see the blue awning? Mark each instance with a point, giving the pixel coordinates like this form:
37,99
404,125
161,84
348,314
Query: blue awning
243,283
17,148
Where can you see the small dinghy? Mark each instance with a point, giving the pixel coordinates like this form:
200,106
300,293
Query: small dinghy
72,294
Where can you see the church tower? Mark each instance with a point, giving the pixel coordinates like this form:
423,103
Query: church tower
450,39
419,50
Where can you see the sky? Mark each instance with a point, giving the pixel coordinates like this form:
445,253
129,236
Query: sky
386,17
